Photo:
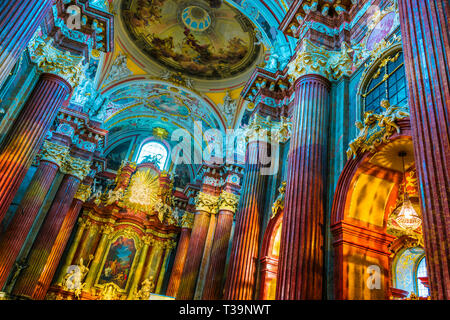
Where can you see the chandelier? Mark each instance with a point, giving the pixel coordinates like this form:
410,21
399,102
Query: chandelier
407,217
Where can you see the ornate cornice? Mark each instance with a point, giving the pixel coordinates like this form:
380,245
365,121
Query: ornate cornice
54,152
51,60
76,167
228,201
206,202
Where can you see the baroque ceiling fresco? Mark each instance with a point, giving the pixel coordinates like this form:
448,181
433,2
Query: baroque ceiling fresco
149,104
191,37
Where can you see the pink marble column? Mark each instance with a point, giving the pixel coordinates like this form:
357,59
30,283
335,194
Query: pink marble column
180,259
241,276
12,240
18,22
26,135
47,249
216,268
194,255
300,268
426,46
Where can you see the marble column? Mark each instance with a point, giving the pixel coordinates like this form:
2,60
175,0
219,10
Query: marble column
53,235
300,268
426,46
26,135
241,276
227,207
12,240
19,20
205,206
180,256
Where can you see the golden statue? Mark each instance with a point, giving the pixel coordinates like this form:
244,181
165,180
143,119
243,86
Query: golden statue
147,287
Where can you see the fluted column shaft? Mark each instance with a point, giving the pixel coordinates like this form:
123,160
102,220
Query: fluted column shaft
18,22
49,244
216,268
300,269
241,275
191,268
26,135
12,240
162,271
139,269
426,46
180,259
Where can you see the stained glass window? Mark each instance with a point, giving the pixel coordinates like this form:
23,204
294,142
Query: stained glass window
388,82
155,153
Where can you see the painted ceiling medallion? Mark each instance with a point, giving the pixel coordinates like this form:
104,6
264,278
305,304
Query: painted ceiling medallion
191,38
196,18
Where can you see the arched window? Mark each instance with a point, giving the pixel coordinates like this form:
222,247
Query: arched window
421,272
155,153
388,82
409,266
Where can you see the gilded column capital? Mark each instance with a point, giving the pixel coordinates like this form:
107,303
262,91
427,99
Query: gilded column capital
228,201
51,60
83,222
187,221
206,202
148,240
312,59
76,167
107,229
259,129
282,131
54,153
83,192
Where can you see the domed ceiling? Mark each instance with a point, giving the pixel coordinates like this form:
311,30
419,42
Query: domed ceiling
191,37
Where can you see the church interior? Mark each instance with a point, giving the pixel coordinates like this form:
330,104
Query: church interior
224,150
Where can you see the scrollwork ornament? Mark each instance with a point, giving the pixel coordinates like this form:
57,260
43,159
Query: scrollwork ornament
83,193
54,153
376,129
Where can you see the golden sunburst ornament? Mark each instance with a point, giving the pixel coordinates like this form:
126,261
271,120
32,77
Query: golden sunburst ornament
143,191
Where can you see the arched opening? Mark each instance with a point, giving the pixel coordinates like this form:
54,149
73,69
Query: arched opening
153,152
367,240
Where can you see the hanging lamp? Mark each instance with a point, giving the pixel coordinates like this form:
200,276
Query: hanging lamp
407,217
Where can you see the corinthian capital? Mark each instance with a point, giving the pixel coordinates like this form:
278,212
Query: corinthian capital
188,220
312,59
54,152
206,202
76,167
51,60
228,201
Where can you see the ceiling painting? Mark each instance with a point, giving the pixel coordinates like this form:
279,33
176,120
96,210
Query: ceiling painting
191,37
